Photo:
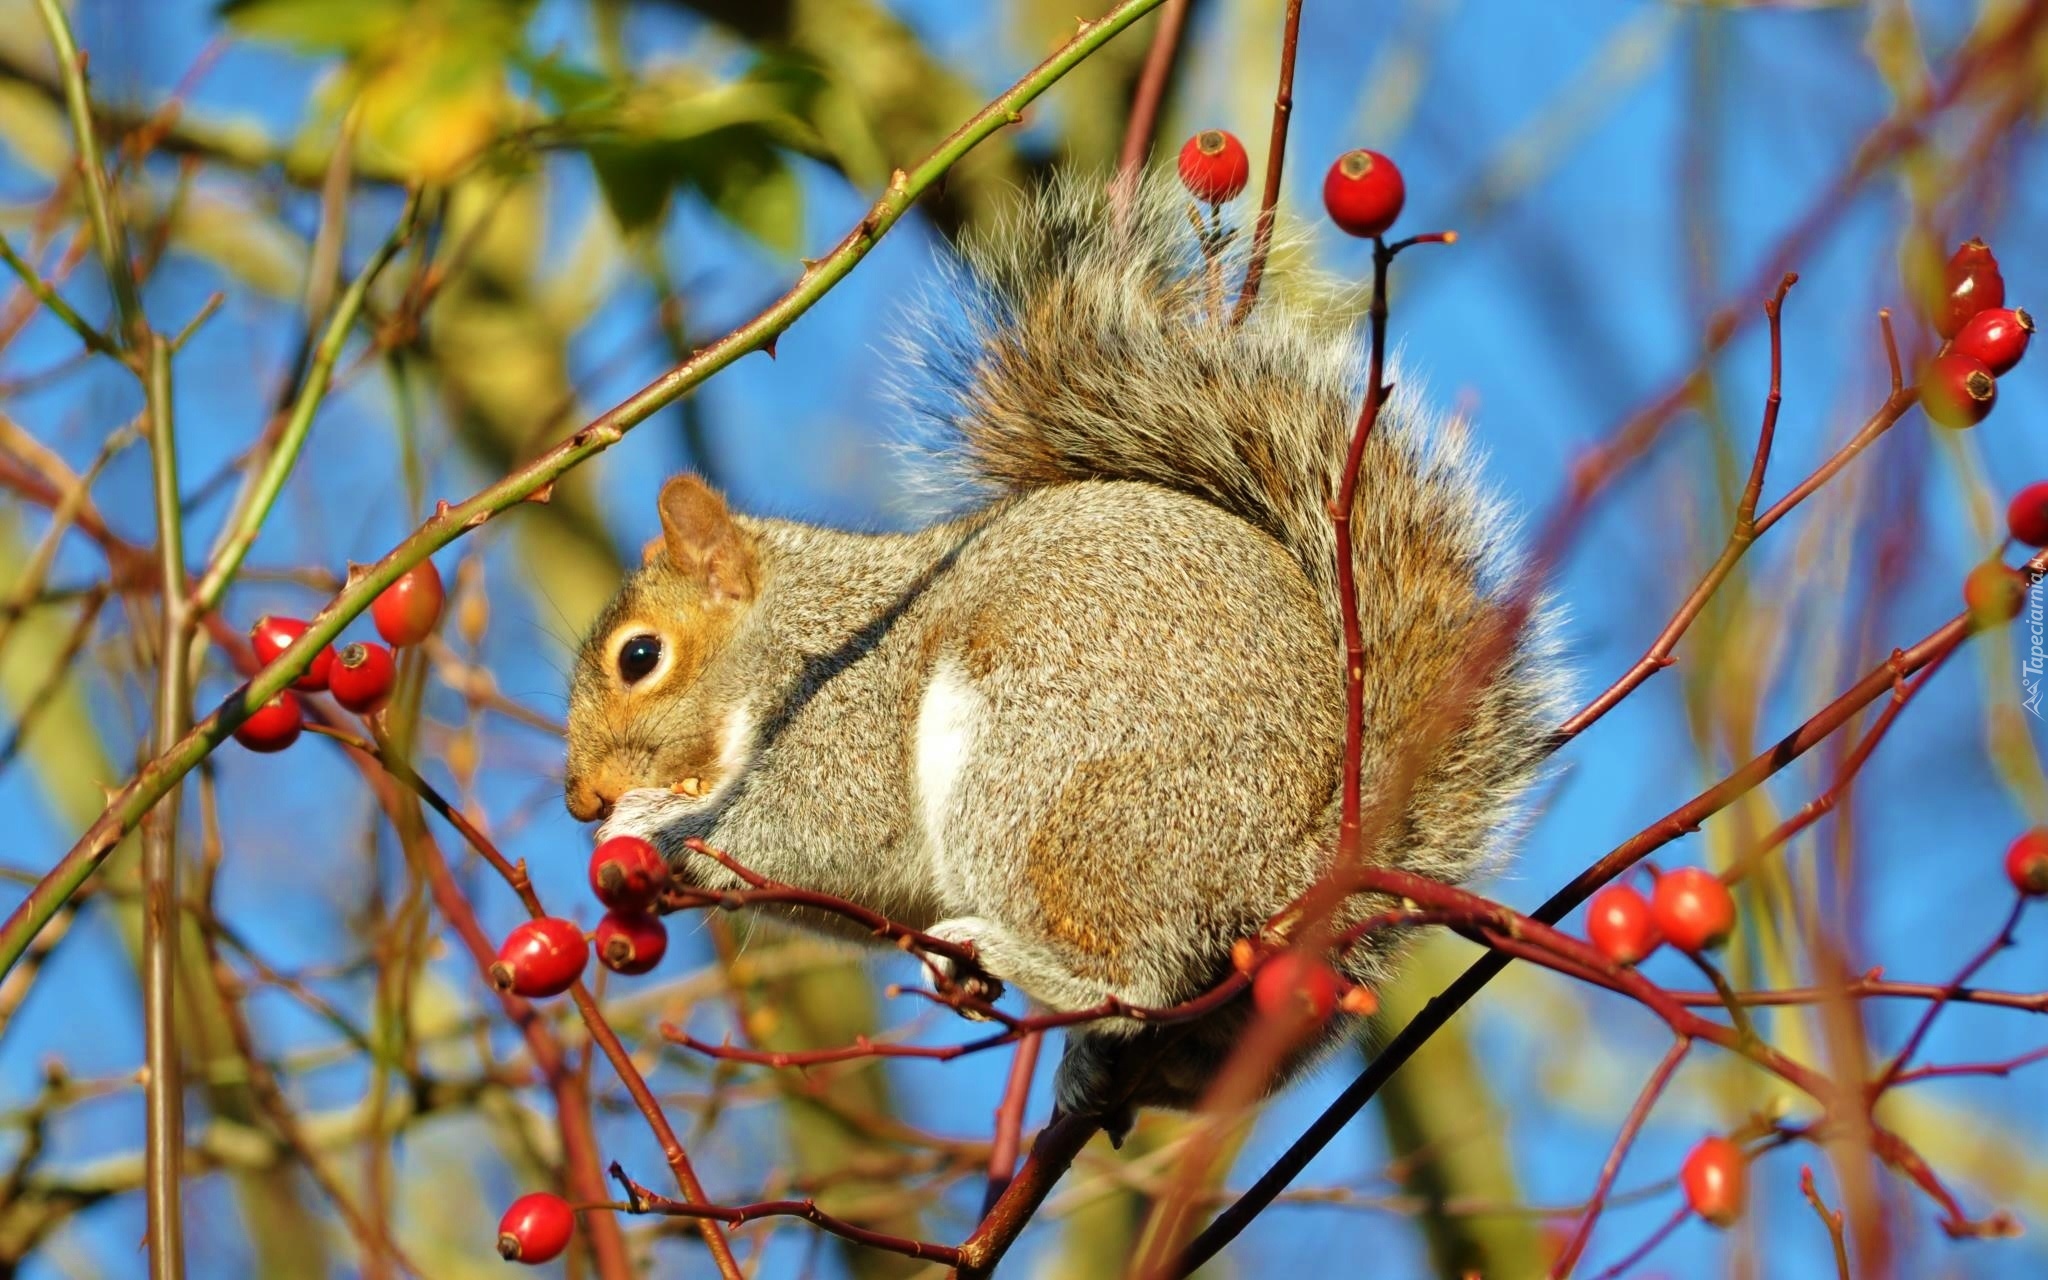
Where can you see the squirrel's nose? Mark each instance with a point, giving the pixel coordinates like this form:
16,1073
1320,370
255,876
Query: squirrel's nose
590,801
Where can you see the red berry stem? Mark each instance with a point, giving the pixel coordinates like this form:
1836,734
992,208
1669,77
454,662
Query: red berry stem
1999,942
1638,1115
1845,773
1276,159
1143,120
640,1199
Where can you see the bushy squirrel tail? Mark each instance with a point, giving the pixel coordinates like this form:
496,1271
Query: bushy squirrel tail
1098,345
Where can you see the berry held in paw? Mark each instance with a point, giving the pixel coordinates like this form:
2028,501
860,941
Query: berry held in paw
627,873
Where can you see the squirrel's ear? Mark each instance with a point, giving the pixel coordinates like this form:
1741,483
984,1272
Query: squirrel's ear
703,542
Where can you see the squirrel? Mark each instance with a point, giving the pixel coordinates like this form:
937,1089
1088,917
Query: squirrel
1093,726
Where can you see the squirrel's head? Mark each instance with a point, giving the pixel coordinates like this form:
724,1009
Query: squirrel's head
647,708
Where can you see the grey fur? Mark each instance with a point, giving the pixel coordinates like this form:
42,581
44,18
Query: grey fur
1094,725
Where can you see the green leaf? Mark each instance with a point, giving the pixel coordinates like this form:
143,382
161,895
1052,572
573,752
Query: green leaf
637,181
316,26
746,180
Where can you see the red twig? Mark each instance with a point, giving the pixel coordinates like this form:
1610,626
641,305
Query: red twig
1998,943
1643,1250
1014,1029
1845,774
1057,1145
1151,92
764,891
1638,1114
1002,1157
1747,526
640,1200
1829,1218
1276,159
2003,1067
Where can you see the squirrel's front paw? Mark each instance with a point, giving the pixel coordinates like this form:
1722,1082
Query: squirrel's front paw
975,983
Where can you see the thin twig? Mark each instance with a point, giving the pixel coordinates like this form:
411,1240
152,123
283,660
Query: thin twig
1276,159
1652,1090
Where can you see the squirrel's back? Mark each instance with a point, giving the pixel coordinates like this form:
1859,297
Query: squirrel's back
1097,344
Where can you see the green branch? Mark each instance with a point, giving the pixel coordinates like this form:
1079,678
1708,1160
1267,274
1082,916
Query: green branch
108,234
254,507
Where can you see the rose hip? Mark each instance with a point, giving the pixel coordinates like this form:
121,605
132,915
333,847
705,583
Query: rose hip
631,943
542,957
409,609
627,873
272,635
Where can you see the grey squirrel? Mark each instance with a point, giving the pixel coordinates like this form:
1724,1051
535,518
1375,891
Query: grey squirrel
1094,725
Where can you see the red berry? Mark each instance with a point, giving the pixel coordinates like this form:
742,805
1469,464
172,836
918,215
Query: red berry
2026,863
362,676
627,873
1693,909
408,610
1293,988
1716,1180
1621,925
542,957
1997,336
272,635
1364,192
535,1229
272,726
1957,390
1994,593
631,942
2027,518
1970,283
1213,166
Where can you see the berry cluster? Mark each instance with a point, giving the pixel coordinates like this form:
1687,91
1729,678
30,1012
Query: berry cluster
1363,192
360,676
1983,339
628,874
1690,908
544,957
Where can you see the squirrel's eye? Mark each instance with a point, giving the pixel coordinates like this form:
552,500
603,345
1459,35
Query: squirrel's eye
638,657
